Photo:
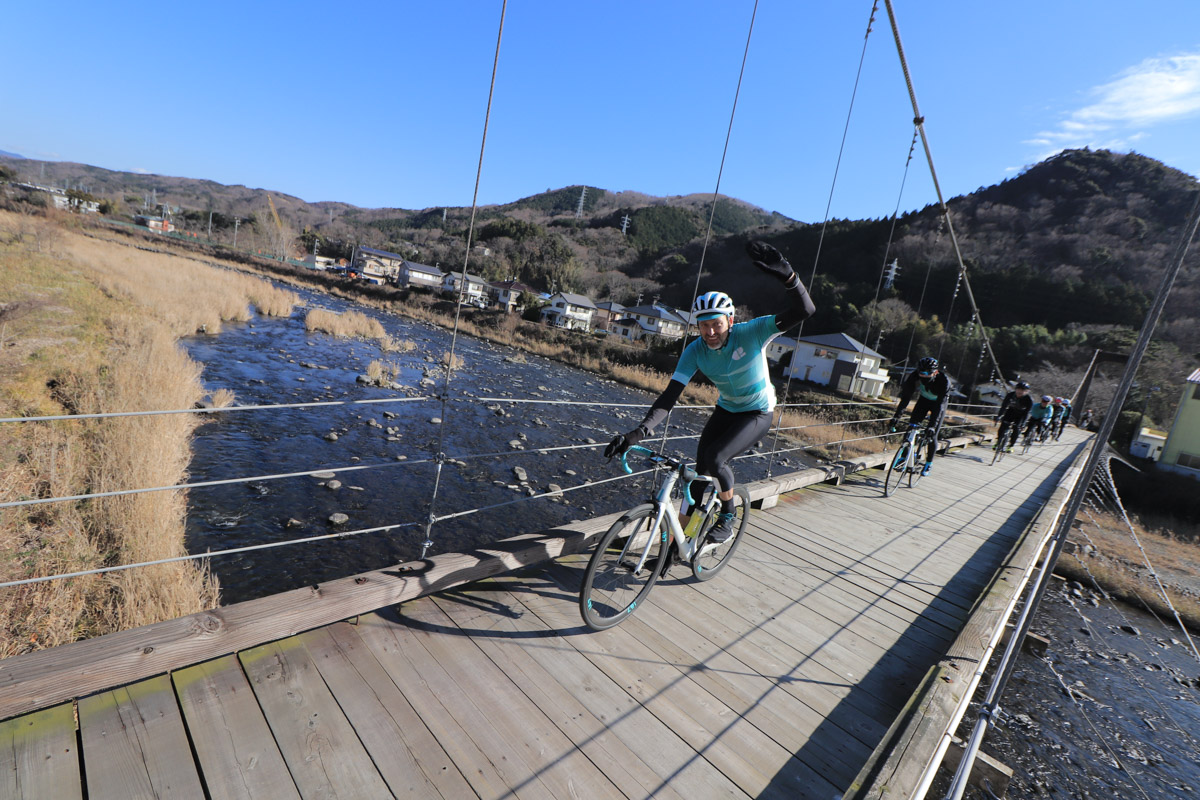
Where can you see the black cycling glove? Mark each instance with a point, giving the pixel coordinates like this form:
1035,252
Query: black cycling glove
623,441
770,260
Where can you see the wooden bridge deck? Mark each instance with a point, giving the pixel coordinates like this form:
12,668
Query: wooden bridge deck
779,679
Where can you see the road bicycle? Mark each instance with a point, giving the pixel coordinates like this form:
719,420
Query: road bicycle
909,459
640,546
1033,434
1002,435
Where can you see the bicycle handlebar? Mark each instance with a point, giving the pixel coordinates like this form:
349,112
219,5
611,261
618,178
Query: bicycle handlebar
625,455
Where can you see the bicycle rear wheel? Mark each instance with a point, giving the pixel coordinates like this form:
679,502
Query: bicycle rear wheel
711,557
613,585
918,461
896,469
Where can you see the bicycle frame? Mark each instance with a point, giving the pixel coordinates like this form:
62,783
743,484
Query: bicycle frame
688,546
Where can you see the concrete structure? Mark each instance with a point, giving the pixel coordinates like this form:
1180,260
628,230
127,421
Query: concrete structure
314,261
156,224
1148,444
571,311
840,361
1181,452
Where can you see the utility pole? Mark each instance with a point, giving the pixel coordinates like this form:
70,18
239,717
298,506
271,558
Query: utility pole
236,222
210,223
624,223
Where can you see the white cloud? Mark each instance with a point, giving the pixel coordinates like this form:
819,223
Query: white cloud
1155,92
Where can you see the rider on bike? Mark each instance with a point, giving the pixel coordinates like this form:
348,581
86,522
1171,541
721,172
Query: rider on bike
934,389
1040,415
734,358
1012,414
1064,416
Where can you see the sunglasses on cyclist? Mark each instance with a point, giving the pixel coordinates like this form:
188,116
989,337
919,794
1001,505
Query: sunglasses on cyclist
924,374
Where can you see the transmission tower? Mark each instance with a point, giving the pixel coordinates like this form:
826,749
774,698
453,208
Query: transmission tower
579,208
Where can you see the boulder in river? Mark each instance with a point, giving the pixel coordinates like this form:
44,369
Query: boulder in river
338,519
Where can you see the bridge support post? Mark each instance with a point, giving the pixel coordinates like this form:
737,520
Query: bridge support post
996,774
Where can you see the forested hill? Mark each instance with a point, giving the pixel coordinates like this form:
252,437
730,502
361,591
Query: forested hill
1057,255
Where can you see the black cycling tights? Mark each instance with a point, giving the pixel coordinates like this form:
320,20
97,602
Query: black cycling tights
727,434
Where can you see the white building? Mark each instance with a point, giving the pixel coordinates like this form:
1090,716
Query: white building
639,322
414,274
471,291
840,361
1148,443
571,311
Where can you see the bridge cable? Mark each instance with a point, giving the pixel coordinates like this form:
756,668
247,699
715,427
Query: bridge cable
787,387
919,121
440,456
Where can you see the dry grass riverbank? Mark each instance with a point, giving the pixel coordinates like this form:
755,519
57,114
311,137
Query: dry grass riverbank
91,326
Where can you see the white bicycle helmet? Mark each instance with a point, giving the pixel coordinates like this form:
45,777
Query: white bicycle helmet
712,304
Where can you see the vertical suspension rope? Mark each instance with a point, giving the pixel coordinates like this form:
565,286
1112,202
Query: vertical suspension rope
440,456
787,386
716,194
919,121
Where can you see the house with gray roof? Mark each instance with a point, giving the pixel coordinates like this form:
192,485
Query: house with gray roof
570,311
837,360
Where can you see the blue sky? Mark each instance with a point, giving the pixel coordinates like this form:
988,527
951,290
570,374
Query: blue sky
382,104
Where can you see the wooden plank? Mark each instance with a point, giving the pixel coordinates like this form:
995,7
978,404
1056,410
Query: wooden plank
134,744
38,757
323,754
551,755
407,754
497,634
237,754
454,717
555,626
759,766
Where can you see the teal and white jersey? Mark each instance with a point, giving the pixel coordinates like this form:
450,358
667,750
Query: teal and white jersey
738,369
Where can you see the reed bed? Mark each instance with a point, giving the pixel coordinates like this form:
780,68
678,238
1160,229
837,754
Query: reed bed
351,324
83,336
186,295
1117,564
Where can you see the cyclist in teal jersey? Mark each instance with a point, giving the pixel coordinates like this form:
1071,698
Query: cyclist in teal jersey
1063,417
734,358
1041,414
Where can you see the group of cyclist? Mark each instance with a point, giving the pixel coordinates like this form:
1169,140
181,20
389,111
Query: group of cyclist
1019,415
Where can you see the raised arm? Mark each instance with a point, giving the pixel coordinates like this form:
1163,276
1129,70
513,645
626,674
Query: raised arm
771,261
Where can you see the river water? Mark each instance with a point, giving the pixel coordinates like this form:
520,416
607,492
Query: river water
555,434
1133,696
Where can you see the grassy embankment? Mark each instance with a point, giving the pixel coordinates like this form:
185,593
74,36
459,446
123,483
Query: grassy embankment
1117,564
91,326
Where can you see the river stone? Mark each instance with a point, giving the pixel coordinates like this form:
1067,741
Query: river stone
515,444
333,485
331,437
338,519
435,420
520,473
555,490
324,476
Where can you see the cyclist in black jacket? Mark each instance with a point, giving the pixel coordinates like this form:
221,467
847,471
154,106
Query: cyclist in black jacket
1012,415
934,388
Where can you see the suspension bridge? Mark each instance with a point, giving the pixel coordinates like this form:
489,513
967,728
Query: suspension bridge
834,657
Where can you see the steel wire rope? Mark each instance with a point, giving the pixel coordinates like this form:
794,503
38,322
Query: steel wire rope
919,121
787,385
266,407
1110,486
439,457
1099,737
716,196
887,250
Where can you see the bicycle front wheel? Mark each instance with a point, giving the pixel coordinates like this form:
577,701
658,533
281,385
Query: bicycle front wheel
711,557
918,462
618,579
896,469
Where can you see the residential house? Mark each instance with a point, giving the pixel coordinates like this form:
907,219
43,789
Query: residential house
840,361
414,274
469,289
1181,451
571,311
639,322
606,314
506,294
778,347
314,261
377,266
